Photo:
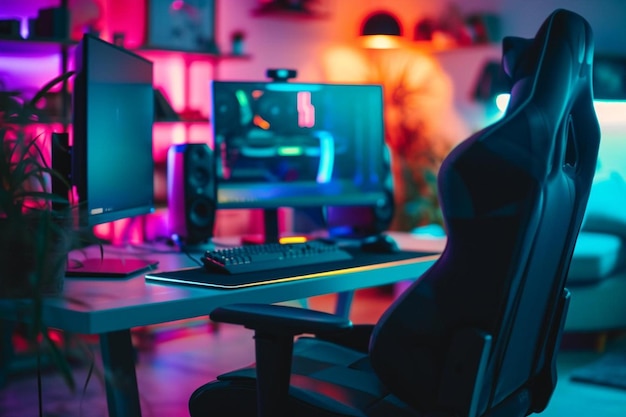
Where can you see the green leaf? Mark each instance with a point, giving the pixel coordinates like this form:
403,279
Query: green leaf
60,361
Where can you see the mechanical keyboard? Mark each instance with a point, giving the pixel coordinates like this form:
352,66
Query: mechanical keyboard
254,258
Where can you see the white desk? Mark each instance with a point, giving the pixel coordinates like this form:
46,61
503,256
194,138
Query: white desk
110,308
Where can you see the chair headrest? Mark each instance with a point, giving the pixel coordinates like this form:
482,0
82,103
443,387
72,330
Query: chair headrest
523,57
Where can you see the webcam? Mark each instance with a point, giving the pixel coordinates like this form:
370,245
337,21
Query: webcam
281,74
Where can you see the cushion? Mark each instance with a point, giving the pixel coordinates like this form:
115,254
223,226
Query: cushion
605,210
596,256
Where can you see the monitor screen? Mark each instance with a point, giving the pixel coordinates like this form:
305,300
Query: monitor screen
283,144
113,110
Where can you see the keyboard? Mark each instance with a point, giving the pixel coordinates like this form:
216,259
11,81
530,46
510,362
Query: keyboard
254,258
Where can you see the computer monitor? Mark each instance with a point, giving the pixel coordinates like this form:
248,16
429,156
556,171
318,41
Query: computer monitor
300,145
112,167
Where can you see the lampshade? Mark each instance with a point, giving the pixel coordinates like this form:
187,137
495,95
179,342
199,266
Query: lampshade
381,30
381,23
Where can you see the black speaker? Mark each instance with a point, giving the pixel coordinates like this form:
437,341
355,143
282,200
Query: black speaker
191,192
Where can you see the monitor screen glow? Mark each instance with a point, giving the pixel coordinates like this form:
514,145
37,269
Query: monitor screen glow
113,111
283,144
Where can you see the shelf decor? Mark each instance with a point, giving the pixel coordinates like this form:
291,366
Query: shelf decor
291,8
181,25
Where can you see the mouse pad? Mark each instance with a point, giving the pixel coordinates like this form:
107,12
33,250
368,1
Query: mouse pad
201,277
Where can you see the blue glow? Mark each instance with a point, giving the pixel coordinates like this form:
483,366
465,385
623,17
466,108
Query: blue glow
293,87
502,101
327,157
608,111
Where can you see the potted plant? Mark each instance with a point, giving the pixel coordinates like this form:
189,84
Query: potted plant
36,227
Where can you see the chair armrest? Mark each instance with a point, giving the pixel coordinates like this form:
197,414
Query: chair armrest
280,319
356,337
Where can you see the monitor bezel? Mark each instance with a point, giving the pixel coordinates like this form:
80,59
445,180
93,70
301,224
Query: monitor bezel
80,180
375,198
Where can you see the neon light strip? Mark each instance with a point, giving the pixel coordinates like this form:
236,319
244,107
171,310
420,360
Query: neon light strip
244,104
290,151
306,110
327,157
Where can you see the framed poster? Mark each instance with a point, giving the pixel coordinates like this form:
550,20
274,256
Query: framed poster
183,25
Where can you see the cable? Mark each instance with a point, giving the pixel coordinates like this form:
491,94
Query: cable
190,256
181,246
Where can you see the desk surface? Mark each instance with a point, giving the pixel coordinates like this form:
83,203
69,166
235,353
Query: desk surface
100,305
111,307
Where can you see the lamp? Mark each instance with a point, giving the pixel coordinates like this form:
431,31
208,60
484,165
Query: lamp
381,30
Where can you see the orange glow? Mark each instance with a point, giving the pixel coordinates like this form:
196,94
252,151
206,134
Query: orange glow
256,94
381,41
292,239
260,122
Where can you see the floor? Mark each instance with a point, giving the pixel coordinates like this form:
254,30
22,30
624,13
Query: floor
175,359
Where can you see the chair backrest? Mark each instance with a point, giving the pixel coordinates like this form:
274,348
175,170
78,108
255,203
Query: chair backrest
513,197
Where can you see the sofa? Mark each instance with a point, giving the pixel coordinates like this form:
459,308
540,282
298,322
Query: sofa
597,275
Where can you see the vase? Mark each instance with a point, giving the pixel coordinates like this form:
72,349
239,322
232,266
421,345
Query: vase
32,260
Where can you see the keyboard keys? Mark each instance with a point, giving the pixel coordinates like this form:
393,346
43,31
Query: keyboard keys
254,258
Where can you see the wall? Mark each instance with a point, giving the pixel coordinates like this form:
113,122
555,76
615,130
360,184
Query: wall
298,43
270,46
606,17
278,41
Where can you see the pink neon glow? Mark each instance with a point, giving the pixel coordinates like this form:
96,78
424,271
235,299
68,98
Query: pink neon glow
306,110
177,5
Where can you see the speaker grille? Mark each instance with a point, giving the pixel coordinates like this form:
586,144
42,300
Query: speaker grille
192,192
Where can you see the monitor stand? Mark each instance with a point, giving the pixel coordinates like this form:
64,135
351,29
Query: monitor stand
98,266
108,267
194,247
270,229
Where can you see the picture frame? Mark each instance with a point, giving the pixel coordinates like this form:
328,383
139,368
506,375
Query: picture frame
181,25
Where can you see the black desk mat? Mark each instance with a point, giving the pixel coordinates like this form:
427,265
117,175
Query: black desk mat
201,277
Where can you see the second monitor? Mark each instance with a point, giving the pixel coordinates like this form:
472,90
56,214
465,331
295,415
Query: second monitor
280,144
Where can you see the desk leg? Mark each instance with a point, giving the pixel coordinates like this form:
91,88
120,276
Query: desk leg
6,350
118,358
344,302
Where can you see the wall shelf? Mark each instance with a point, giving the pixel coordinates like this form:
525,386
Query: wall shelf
34,46
290,14
191,55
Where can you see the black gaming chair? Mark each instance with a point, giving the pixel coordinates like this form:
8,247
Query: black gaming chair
477,334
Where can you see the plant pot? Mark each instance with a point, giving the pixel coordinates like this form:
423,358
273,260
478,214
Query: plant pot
33,255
